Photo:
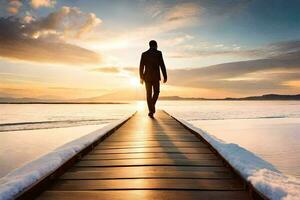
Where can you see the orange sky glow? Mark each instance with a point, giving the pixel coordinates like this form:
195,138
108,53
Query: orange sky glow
74,50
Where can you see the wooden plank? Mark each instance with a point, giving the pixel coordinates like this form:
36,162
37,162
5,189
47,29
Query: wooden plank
173,132
152,124
153,150
162,143
93,175
149,146
148,162
149,159
153,132
131,184
152,140
141,131
151,169
144,194
149,155
152,137
147,127
156,129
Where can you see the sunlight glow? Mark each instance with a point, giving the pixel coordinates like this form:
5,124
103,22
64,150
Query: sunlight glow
140,105
292,83
134,82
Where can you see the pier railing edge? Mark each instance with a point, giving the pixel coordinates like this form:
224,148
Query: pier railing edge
35,189
254,193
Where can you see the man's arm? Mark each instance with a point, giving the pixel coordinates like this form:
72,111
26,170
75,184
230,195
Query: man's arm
163,68
142,66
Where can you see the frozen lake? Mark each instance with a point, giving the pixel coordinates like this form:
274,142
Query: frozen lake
270,129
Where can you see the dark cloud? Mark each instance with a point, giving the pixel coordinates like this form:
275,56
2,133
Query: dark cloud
261,74
65,22
283,47
43,40
268,51
191,53
13,6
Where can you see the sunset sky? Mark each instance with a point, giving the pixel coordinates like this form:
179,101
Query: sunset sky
68,49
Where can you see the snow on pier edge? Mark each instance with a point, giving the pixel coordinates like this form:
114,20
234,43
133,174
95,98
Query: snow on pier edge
262,174
21,178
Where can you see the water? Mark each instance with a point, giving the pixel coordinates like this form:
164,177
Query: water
29,131
15,117
267,128
271,129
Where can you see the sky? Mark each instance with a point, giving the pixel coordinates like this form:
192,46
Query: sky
75,49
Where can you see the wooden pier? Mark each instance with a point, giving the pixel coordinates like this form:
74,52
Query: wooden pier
148,159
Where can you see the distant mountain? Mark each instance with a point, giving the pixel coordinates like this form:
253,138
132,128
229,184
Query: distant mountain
131,96
269,97
262,97
21,100
10,100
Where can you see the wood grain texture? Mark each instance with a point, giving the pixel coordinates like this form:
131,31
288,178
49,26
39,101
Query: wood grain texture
130,184
149,159
144,194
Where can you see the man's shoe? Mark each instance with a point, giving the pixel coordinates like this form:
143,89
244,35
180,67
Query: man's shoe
151,115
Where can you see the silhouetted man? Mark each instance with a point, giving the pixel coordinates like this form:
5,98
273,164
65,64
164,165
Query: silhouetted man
151,62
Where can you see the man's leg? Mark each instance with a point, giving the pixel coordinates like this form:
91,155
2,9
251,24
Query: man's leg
149,95
155,94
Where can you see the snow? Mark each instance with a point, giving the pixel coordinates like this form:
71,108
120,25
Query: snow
261,174
20,179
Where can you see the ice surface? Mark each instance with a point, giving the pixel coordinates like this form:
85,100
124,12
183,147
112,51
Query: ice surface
262,175
20,179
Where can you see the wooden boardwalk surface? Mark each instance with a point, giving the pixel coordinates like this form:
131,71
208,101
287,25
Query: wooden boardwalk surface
149,159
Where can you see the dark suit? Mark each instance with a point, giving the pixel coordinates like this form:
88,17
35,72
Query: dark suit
150,65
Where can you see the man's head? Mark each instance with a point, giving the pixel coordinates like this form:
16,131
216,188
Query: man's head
153,44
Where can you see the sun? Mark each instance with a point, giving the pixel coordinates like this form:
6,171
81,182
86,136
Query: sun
134,82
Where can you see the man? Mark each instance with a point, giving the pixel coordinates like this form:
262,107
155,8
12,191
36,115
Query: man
151,62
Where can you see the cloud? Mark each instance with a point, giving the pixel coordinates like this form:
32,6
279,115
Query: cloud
270,50
243,77
159,19
45,39
154,8
279,73
164,18
283,47
75,89
175,17
111,70
27,19
14,6
177,40
192,52
42,3
66,22
123,71
183,11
